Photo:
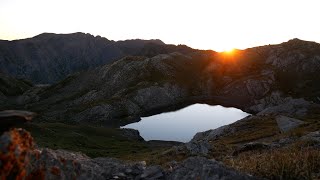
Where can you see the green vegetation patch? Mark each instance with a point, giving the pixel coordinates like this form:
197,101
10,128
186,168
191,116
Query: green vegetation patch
93,141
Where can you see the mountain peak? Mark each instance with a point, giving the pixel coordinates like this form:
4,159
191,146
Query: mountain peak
297,41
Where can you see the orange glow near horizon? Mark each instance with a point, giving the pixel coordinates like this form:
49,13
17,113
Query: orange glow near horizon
229,51
229,56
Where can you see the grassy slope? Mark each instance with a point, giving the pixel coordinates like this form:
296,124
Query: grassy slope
93,141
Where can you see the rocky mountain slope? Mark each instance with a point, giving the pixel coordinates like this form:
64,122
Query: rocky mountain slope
122,91
48,57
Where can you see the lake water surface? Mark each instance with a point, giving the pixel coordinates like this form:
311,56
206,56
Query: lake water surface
183,124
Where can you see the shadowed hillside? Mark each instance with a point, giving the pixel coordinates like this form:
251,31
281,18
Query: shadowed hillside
48,57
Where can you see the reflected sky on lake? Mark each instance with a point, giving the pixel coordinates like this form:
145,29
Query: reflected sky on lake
183,124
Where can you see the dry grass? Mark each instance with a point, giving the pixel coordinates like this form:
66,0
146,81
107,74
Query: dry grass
255,128
285,163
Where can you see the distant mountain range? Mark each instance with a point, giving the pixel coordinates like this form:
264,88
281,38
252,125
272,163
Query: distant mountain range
48,57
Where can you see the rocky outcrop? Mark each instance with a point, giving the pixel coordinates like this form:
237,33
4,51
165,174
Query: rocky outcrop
298,58
276,104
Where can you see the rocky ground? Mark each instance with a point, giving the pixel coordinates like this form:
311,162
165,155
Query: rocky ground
265,145
20,159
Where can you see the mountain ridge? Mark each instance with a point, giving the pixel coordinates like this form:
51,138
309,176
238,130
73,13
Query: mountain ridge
49,57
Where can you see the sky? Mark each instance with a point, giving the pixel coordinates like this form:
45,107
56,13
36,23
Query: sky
203,24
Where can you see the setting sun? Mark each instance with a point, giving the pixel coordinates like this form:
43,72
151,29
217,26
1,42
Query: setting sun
229,51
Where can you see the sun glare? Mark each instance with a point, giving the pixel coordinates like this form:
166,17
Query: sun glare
229,51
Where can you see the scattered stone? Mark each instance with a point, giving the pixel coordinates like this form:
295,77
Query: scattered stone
286,124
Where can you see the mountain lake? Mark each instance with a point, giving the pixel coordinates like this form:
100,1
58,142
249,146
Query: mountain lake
183,124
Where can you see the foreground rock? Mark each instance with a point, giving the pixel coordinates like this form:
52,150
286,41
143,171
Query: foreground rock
15,148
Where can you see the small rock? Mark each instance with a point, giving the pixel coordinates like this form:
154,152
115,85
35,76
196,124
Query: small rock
286,124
